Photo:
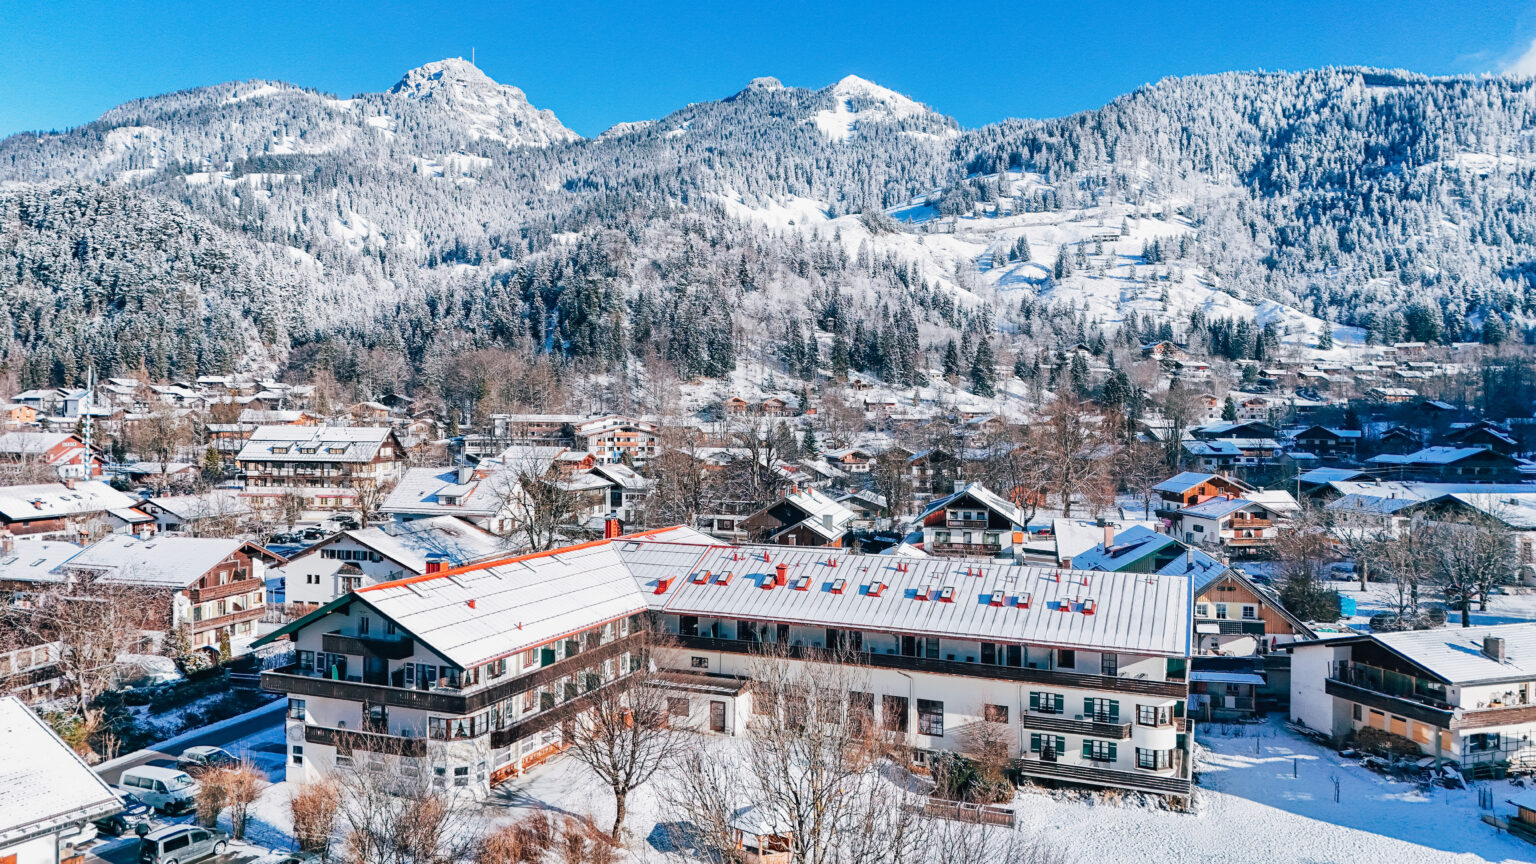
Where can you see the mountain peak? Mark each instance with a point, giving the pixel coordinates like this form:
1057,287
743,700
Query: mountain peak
493,110
853,85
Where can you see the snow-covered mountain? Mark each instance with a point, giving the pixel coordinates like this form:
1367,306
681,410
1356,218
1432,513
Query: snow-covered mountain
448,215
488,110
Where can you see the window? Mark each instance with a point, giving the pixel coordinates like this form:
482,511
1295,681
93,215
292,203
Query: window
1051,745
1045,703
1101,710
1358,713
1221,611
699,662
1153,715
1481,742
180,841
298,754
1109,665
296,709
1153,760
1066,659
893,713
930,717
1098,751
1202,610
1250,612
306,661
677,706
995,713
363,625
390,629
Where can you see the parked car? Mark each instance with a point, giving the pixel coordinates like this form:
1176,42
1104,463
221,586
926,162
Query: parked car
121,824
313,534
132,804
165,789
348,524
199,760
181,844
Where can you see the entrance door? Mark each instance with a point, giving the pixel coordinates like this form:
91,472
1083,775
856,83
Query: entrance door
716,716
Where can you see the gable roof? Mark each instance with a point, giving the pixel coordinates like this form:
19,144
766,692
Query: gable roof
159,562
1455,655
36,560
1216,508
981,495
44,785
421,490
823,515
410,543
56,500
285,443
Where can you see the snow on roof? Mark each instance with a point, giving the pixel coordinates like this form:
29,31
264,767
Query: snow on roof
323,443
1132,612
1455,655
1371,504
422,490
1327,475
1076,536
982,496
43,784
822,514
1428,456
409,543
1525,800
1216,508
163,561
158,467
35,560
56,500
1278,500
215,502
520,602
1515,509
1183,481
622,475
1137,542
32,443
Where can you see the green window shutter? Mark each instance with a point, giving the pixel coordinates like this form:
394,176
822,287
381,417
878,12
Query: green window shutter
1114,710
1061,744
1034,742
1178,708
1058,700
1112,748
1087,749
1034,702
1087,707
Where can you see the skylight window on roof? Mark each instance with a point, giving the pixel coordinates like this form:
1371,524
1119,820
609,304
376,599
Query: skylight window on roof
875,589
996,599
924,592
701,577
838,585
724,578
947,595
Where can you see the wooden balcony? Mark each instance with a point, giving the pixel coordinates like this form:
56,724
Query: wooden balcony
964,523
444,701
372,742
1074,680
1253,523
252,614
1484,718
394,648
228,589
1144,781
1076,725
974,550
1420,711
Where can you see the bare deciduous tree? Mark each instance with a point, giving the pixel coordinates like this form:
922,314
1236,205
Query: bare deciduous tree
314,808
1472,556
95,626
627,735
392,813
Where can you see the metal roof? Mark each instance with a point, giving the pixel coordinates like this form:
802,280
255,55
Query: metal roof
164,561
287,443
53,500
1131,612
43,784
1455,654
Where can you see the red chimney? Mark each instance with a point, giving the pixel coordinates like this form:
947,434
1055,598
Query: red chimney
612,527
434,563
782,574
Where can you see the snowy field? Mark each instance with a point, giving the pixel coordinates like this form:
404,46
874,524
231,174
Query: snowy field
1266,795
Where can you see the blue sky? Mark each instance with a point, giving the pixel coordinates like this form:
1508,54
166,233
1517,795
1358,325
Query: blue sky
63,62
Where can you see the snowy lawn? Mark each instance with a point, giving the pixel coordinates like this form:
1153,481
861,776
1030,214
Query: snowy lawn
1266,795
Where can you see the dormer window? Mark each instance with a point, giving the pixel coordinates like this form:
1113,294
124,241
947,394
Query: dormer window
307,450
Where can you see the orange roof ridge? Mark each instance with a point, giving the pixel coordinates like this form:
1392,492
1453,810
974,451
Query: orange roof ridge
527,556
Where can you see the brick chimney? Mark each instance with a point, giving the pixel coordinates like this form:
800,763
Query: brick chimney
1493,648
7,543
1109,533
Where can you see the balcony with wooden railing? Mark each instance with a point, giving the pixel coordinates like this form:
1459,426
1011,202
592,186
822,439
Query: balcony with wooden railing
956,522
371,742
252,614
1101,726
228,589
967,549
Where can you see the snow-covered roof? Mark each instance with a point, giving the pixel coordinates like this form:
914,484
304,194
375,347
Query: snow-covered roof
409,543
32,443
1278,500
161,562
622,475
326,443
1076,536
35,560
983,496
1137,542
1455,654
1132,612
1328,475
423,490
1376,505
1428,456
215,502
822,514
57,500
1515,509
1183,481
1216,508
520,602
44,785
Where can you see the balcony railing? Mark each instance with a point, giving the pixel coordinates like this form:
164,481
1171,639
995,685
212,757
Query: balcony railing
1078,726
952,522
1079,681
372,742
228,589
1420,711
288,680
966,548
394,648
252,614
1175,783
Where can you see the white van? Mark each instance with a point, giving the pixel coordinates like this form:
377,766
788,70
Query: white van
165,789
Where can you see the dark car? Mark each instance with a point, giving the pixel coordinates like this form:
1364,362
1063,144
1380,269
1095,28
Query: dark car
121,824
313,534
200,760
348,524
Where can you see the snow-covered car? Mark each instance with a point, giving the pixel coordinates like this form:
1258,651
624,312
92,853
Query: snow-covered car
199,760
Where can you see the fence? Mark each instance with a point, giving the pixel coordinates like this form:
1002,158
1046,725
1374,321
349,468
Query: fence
961,811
